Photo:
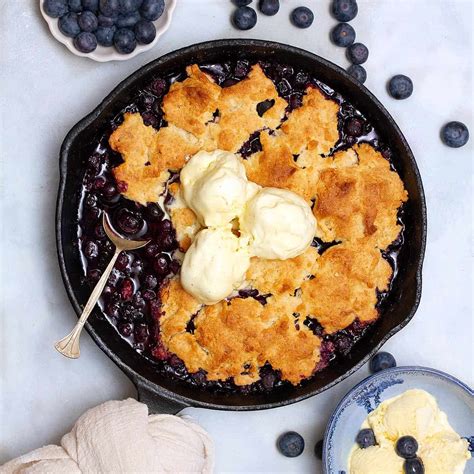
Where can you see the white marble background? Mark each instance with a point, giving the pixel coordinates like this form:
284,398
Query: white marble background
45,90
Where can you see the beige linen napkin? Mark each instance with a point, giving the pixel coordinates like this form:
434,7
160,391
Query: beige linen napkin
119,436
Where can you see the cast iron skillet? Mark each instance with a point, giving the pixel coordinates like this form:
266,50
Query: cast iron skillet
160,393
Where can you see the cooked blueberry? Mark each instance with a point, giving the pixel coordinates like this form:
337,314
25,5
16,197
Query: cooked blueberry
168,243
129,6
109,7
145,31
127,289
154,212
105,35
91,250
152,9
149,295
302,17
161,264
85,42
357,53
413,466
406,447
128,21
109,191
124,41
150,282
125,329
290,444
343,35
344,10
55,8
400,87
92,5
88,21
358,72
354,126
365,438
269,7
382,361
94,275
244,18
318,449
141,332
122,261
241,3
128,222
106,20
75,6
455,134
68,25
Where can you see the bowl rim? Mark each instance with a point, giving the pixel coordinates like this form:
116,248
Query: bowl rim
113,55
143,383
381,375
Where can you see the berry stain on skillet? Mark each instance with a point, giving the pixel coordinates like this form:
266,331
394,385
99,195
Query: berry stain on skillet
130,299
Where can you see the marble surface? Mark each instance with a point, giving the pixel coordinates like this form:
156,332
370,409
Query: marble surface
46,90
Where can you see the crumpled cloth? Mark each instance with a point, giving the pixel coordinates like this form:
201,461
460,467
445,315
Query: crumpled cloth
120,436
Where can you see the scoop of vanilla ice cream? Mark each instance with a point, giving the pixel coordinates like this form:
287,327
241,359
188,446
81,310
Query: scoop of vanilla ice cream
375,460
215,264
280,223
216,187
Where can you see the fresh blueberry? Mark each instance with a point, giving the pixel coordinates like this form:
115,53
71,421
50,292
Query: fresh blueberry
269,7
129,6
357,71
318,449
124,41
365,438
357,53
105,35
290,444
109,7
128,21
455,134
241,3
343,35
106,20
88,21
92,5
55,8
382,361
85,42
413,466
68,25
244,18
145,31
302,17
75,6
400,87
152,9
406,447
344,10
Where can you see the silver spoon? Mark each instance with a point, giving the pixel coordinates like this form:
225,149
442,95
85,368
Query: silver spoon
69,345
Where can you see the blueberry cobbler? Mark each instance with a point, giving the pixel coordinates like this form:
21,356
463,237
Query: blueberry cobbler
275,219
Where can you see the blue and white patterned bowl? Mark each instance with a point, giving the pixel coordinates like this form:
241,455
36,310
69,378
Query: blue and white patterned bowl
454,397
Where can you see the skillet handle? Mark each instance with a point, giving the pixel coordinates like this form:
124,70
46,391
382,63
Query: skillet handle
156,403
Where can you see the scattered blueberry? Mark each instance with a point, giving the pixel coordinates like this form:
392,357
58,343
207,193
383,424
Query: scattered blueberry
302,17
413,466
68,25
365,438
55,8
92,5
106,20
109,7
400,87
241,3
75,6
269,7
105,35
145,31
88,21
244,18
343,35
85,42
357,53
382,361
406,447
290,444
124,41
455,134
129,6
357,71
344,10
152,9
128,21
318,449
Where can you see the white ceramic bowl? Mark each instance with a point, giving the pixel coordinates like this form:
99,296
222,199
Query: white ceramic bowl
104,54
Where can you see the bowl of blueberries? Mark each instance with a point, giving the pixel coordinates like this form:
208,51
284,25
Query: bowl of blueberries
107,30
